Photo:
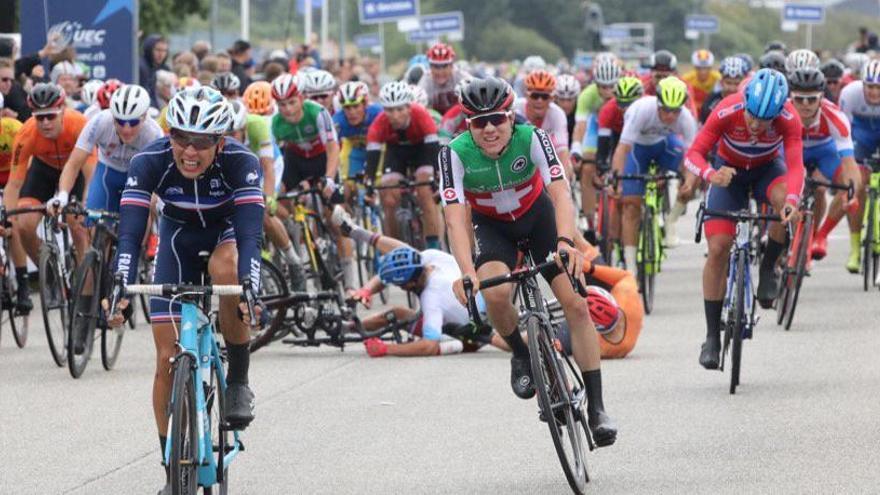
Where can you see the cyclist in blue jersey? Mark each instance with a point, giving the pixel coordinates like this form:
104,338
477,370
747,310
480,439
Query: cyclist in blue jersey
211,187
352,122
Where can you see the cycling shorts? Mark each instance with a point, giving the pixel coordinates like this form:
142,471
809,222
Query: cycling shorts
591,137
667,153
178,259
823,158
759,180
405,158
298,169
496,240
105,188
865,142
41,182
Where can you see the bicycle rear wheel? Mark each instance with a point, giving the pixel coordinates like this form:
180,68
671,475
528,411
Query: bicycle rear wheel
54,303
272,284
184,434
647,264
564,415
736,326
868,245
17,321
145,276
111,338
800,269
83,314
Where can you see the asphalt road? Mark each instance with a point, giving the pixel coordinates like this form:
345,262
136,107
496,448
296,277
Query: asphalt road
806,418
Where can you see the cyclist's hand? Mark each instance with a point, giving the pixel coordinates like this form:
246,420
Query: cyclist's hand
246,316
6,229
122,313
687,187
575,266
57,203
790,213
362,295
723,176
458,287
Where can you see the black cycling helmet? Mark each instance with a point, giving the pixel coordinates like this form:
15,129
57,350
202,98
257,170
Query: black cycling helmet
226,81
414,74
832,69
806,79
486,95
776,45
46,96
773,59
663,60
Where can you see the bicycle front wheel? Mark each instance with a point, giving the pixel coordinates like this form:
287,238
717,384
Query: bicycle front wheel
736,325
868,246
84,307
557,405
222,439
800,270
272,285
53,302
647,264
184,435
111,338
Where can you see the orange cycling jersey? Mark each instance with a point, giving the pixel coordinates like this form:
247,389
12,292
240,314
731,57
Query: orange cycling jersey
29,143
8,131
626,292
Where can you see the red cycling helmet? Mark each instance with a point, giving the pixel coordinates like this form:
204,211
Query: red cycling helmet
604,310
441,53
106,91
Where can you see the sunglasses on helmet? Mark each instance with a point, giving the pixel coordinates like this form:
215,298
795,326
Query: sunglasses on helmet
200,142
482,121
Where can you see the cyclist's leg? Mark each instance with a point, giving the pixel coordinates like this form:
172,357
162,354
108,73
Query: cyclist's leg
671,160
395,169
588,169
770,187
78,231
633,194
433,229
864,145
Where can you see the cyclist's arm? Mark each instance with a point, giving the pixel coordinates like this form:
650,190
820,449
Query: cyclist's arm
22,152
695,158
70,172
543,154
134,212
454,209
247,220
792,142
580,121
620,153
603,149
375,140
327,133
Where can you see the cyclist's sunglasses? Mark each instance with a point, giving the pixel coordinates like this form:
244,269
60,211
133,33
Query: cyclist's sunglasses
482,121
46,116
539,96
832,81
806,99
200,142
320,96
441,66
128,122
669,110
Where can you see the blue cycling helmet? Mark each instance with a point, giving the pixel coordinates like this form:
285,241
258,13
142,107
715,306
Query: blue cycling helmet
766,94
733,67
420,59
400,266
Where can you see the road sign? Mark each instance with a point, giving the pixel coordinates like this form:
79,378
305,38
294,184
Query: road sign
803,13
369,40
702,23
583,60
447,22
613,34
378,11
416,37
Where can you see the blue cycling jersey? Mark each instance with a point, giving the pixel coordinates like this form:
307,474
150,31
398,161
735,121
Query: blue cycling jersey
229,192
356,135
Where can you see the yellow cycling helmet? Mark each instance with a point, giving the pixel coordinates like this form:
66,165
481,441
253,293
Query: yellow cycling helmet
672,93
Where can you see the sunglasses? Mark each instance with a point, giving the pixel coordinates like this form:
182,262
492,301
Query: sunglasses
761,121
352,104
539,96
669,110
200,142
129,122
605,86
496,119
805,99
321,96
46,116
440,66
832,81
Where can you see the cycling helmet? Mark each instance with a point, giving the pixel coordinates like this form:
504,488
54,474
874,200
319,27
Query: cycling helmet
106,91
806,79
200,110
627,90
801,59
533,62
258,98
461,85
239,114
486,95
567,87
750,62
395,94
89,91
871,72
663,60
46,98
353,93
540,81
672,92
604,310
284,87
855,61
773,60
130,102
833,69
606,71
400,266
702,58
765,94
414,74
776,45
441,53
733,68
226,81
317,82
65,68
419,95
418,59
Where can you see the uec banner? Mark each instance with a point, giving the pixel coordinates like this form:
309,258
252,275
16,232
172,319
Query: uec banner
104,33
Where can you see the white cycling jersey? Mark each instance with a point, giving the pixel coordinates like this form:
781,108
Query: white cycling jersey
91,111
437,301
642,124
112,152
862,115
554,122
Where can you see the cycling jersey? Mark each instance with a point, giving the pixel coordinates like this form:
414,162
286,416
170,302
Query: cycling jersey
9,128
709,104
453,123
442,97
826,140
865,119
100,132
588,102
642,124
308,137
353,156
91,111
738,148
257,136
609,125
504,188
196,213
554,122
29,143
437,301
421,132
700,90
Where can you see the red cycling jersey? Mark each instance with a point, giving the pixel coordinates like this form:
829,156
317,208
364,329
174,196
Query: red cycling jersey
421,129
611,116
726,126
454,121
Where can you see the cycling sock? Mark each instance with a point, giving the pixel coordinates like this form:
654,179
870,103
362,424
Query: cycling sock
291,256
676,212
827,226
855,242
593,383
517,345
359,234
21,276
713,318
771,254
629,258
239,361
432,242
348,273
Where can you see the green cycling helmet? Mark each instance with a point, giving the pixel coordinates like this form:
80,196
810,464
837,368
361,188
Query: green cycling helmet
627,90
672,93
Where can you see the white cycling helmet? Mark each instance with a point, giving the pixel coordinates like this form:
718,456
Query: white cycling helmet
129,102
533,62
353,93
702,58
318,81
199,110
567,87
285,87
419,95
855,61
801,59
871,72
606,71
395,94
90,91
239,114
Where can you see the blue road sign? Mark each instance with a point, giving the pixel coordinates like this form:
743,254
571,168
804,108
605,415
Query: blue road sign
378,11
803,13
416,37
702,23
447,22
610,34
367,41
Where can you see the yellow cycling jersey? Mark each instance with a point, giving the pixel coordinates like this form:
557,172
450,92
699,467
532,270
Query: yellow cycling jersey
9,127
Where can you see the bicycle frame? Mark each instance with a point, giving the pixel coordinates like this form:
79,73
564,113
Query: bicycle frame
742,243
652,204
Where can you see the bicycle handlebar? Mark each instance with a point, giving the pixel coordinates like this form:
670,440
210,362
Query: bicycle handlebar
848,187
616,177
170,290
739,216
405,184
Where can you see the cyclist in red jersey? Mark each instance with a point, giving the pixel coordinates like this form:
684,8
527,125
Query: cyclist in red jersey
752,131
411,143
